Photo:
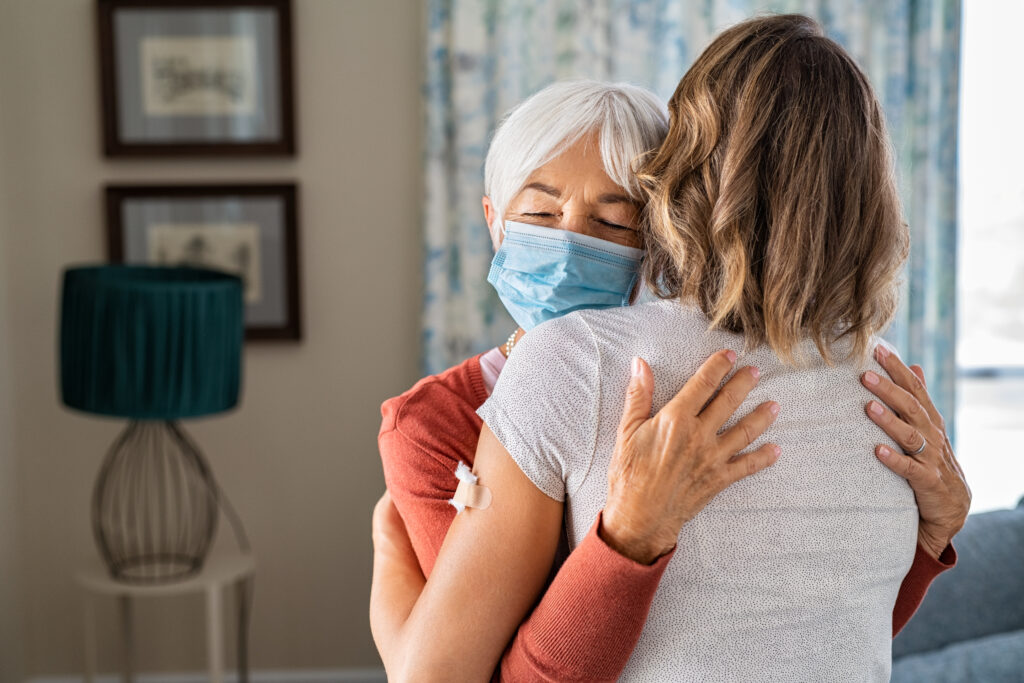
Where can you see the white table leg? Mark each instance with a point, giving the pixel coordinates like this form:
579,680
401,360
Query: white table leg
215,634
243,596
126,634
89,636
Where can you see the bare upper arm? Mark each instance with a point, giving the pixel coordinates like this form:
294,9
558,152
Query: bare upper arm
491,568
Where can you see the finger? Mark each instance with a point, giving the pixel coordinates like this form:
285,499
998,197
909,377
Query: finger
933,412
907,380
383,503
906,467
908,437
639,397
899,400
747,430
730,397
699,389
753,462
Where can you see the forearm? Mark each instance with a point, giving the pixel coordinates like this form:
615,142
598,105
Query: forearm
589,620
397,584
915,584
492,567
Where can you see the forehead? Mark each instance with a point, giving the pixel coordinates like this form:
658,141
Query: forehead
579,166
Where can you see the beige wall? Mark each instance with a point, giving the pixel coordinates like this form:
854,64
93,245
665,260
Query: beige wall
298,458
11,623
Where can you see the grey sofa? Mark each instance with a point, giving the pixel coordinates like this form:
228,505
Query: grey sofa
970,626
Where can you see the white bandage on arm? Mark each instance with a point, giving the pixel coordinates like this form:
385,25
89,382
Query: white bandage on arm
469,493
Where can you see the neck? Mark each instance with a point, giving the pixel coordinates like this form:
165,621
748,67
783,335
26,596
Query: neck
518,335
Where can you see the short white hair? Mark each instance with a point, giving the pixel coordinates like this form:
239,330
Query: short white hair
628,120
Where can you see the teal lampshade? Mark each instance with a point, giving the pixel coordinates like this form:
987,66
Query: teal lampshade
150,343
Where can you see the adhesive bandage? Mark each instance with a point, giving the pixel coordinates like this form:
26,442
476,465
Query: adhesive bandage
469,493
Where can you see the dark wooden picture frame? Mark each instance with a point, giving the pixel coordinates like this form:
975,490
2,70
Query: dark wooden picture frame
283,271
280,112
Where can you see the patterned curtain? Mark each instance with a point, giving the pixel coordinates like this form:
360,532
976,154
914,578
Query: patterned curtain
484,56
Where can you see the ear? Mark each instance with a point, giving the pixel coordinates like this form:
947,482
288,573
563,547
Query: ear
493,221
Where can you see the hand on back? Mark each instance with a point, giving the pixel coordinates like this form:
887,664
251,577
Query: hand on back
927,462
666,468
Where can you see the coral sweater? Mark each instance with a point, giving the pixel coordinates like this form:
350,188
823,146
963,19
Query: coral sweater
587,623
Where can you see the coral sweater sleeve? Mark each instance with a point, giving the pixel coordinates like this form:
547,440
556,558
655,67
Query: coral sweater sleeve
587,623
915,584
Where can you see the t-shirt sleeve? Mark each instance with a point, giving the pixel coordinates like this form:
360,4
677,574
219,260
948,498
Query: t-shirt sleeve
544,406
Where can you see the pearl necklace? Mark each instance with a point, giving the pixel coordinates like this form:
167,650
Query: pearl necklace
510,342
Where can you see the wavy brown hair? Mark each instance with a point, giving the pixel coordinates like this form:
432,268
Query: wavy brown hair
773,204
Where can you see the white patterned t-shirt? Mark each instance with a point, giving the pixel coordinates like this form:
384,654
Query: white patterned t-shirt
788,575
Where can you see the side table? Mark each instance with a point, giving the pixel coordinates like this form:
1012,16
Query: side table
218,573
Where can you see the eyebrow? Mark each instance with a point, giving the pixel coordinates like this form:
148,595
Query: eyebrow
610,198
546,189
614,199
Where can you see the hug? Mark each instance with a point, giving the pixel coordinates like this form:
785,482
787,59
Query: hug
695,459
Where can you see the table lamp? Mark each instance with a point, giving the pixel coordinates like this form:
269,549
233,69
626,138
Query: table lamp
153,345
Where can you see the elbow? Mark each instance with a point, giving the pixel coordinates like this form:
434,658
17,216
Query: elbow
419,672
424,665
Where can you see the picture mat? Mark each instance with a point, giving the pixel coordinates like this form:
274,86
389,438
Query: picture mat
133,25
138,215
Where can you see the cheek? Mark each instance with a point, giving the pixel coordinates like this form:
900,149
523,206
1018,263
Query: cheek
496,236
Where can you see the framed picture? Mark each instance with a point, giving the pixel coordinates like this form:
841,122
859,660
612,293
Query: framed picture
246,229
196,77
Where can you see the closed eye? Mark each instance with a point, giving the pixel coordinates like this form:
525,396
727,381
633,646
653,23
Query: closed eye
615,225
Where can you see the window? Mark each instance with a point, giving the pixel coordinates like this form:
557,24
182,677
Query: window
990,343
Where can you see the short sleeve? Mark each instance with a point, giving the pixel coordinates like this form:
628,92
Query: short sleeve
544,407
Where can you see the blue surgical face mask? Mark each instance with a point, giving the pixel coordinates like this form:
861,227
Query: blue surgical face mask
543,273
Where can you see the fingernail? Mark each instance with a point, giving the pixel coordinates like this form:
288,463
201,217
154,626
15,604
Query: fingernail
871,378
774,408
875,407
884,451
636,366
755,372
882,352
731,355
777,451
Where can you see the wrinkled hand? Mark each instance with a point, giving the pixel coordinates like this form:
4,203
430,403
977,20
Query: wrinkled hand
666,468
943,497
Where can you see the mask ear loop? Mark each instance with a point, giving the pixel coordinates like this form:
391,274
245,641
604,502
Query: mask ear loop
497,239
637,286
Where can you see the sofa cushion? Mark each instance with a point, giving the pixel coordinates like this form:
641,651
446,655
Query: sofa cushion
992,659
983,595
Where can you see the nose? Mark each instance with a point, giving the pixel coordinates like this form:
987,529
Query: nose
574,220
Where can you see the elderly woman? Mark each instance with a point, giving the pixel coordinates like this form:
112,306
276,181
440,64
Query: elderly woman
562,205
584,619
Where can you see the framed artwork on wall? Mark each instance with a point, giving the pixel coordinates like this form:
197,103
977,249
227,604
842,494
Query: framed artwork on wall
249,230
196,77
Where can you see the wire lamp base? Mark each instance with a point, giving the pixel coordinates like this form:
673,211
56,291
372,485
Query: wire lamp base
154,507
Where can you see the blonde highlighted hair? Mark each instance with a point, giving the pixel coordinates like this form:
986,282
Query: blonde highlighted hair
772,202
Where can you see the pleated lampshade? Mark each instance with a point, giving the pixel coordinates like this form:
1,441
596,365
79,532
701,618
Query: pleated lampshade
150,343
154,345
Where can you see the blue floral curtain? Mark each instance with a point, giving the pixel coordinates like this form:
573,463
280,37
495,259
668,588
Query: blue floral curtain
484,56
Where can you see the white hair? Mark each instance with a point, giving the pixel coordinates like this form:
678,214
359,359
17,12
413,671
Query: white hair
629,121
